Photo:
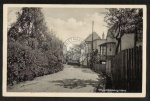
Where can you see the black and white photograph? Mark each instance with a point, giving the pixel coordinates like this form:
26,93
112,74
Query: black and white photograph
52,50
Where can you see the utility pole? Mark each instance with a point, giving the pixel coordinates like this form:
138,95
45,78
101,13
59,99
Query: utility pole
92,34
92,45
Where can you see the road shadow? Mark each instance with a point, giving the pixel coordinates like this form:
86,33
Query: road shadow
75,83
88,71
107,85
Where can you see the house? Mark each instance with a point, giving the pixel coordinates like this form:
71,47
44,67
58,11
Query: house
88,41
107,52
122,66
108,49
129,39
97,40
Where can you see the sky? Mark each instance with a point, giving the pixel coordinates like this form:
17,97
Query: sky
70,22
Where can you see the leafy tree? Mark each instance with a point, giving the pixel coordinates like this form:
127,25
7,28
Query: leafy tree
33,49
123,21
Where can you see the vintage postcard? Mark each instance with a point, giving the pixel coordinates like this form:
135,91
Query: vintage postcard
63,50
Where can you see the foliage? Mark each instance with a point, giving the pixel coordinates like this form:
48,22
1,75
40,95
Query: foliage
33,50
123,21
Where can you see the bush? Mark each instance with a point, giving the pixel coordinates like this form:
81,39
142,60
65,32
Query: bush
32,50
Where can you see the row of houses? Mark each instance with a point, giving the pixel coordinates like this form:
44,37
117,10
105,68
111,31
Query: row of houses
106,49
122,63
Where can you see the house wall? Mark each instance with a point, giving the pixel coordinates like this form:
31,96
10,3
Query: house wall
98,42
95,44
109,39
108,67
127,41
89,47
111,49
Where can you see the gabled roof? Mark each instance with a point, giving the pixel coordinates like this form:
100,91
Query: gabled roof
110,30
109,36
95,36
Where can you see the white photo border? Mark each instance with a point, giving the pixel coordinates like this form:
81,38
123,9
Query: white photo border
49,94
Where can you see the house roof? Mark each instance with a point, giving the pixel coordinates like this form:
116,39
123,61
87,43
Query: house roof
101,41
107,43
109,33
95,36
109,37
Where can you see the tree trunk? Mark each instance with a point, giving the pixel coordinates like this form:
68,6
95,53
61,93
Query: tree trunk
118,44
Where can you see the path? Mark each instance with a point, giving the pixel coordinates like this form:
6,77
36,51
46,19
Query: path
71,79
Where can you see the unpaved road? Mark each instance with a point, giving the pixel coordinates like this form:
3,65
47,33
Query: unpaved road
71,79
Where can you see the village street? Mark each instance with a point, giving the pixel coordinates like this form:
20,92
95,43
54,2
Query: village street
71,79
74,49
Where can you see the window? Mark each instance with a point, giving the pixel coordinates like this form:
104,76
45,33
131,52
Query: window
103,50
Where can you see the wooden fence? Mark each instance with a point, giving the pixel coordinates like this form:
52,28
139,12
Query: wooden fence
99,67
126,69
